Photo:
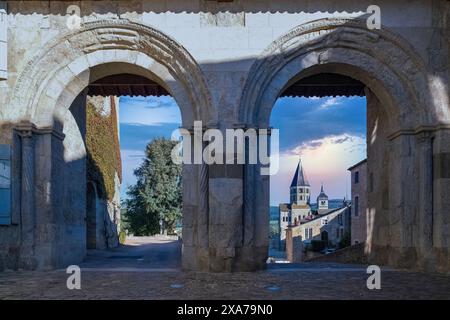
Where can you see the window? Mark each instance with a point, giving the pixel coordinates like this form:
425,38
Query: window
308,233
356,177
337,233
5,184
301,190
356,206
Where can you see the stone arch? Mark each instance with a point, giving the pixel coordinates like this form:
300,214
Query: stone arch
58,73
381,60
413,102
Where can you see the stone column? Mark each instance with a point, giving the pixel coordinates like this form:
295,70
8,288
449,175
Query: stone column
41,197
27,200
225,215
195,234
425,188
255,243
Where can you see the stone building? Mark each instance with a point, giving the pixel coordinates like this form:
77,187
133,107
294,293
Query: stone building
322,201
330,227
313,224
359,201
226,63
298,209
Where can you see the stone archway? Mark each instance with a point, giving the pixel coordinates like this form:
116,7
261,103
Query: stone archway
410,109
45,90
42,89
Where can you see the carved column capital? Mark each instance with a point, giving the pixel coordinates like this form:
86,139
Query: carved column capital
28,129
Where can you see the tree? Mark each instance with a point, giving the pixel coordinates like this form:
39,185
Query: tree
157,193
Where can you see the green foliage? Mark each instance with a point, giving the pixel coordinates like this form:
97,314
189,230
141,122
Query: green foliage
274,230
157,192
346,240
122,236
317,245
101,141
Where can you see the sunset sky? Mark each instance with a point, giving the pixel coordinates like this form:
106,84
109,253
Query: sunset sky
328,133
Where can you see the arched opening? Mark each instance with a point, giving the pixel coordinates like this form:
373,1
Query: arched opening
322,122
55,114
115,129
347,48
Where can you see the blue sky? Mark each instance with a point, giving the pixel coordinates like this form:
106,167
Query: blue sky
328,133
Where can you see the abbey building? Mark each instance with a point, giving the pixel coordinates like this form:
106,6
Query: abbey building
317,222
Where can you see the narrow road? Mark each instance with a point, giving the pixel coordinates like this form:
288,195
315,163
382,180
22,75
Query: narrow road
157,252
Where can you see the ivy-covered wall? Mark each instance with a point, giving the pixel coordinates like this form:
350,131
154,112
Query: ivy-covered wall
102,143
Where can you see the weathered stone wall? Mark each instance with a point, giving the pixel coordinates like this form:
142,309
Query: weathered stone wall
226,63
294,245
104,168
353,254
359,220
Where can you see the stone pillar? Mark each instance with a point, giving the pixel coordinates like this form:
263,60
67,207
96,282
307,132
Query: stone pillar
294,245
425,189
255,246
27,200
41,197
195,234
441,192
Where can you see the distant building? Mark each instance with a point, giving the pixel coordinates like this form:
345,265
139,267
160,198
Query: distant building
326,223
322,200
359,201
298,209
330,227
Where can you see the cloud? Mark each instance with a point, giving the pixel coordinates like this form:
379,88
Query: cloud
304,120
149,110
330,102
329,140
324,160
150,102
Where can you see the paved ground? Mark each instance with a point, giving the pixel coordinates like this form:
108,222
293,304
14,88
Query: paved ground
138,252
149,269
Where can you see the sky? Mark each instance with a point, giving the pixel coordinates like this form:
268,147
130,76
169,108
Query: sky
328,133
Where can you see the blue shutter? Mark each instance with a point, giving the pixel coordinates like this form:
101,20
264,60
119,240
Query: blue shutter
5,184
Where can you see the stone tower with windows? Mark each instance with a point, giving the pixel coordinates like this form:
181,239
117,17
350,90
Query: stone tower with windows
322,200
300,187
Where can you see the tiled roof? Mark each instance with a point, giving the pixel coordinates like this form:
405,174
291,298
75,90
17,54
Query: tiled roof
299,179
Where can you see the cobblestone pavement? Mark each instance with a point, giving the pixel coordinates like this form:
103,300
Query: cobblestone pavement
151,271
308,282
